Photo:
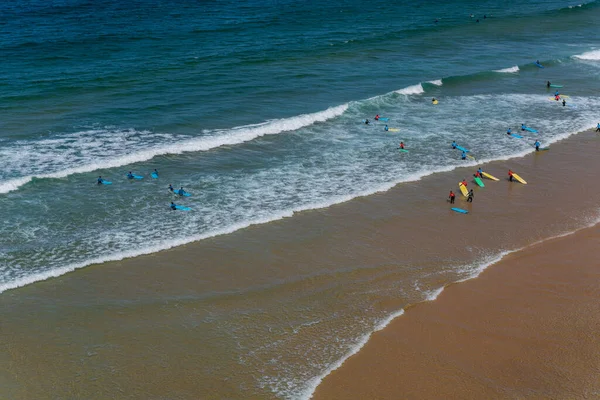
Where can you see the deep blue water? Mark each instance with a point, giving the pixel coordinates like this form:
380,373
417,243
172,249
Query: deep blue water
256,108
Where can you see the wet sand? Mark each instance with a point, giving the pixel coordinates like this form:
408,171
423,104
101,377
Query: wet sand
253,313
527,328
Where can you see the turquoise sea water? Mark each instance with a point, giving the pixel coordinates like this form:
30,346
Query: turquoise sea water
256,109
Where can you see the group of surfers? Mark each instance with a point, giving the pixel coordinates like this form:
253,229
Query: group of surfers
471,194
181,192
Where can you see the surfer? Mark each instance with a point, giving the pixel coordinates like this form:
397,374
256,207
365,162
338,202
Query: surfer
510,174
477,173
537,145
509,132
402,145
471,195
377,117
366,122
155,172
598,127
433,100
523,127
548,84
464,182
564,102
385,128
556,93
181,191
463,156
129,175
173,206
480,172
451,197
171,188
100,180
453,144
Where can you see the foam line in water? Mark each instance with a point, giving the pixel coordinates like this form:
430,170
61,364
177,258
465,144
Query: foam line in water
511,70
414,89
437,82
593,55
220,138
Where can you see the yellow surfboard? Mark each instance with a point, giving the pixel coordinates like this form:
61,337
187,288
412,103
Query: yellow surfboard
486,175
434,102
393,130
517,177
463,189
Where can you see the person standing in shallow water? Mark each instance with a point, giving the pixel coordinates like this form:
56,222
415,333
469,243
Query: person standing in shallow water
471,195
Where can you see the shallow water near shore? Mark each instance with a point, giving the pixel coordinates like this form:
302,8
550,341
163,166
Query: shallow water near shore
299,243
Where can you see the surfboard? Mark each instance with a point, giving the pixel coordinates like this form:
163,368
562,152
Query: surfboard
538,65
486,175
517,136
518,178
383,119
186,194
182,208
545,148
393,130
154,175
463,189
470,157
556,86
459,210
478,181
530,129
136,177
404,150
434,102
106,182
462,149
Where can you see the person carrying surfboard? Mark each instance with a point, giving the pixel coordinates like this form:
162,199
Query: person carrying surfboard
510,175
451,197
537,145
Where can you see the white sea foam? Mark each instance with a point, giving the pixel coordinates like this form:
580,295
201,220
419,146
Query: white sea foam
217,139
437,82
593,55
414,89
511,70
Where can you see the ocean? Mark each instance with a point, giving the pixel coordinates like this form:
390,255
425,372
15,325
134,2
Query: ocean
256,109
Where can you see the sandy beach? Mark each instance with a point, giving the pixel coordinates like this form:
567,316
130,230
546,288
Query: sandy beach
241,315
527,328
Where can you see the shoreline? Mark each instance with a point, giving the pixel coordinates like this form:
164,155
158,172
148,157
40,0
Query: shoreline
176,244
494,324
288,299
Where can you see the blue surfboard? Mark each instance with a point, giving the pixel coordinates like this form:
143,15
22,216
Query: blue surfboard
538,65
154,175
459,210
106,182
182,208
517,136
177,192
530,129
462,149
383,119
136,177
